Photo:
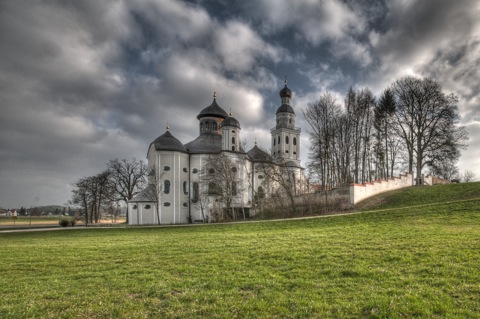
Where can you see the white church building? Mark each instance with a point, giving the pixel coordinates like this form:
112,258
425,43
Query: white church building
177,184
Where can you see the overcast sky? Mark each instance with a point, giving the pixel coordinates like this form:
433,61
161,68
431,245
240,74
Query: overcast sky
83,82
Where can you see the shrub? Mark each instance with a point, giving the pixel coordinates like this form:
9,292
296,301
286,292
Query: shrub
64,222
73,222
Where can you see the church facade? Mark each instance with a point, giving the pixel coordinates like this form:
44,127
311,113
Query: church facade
177,193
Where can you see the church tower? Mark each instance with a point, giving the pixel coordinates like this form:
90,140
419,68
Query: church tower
285,136
231,134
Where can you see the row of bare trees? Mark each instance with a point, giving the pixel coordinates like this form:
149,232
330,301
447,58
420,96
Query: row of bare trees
119,182
412,126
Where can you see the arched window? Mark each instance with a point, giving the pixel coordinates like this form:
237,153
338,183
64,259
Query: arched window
234,188
294,141
166,186
279,140
185,187
214,126
289,121
233,148
233,140
195,192
260,192
207,126
274,141
286,139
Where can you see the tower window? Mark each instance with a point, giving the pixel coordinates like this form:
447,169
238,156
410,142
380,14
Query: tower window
274,142
166,186
289,121
294,141
214,126
147,206
233,140
167,204
286,139
185,187
207,126
233,148
279,140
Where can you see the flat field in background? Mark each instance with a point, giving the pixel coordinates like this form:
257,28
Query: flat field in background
400,262
35,221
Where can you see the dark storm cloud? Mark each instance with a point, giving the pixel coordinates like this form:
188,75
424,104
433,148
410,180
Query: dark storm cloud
83,82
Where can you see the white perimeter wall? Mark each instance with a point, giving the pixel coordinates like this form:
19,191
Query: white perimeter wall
359,192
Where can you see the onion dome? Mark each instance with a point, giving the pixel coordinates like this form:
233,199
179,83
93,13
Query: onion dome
285,95
285,108
285,92
231,121
167,142
213,110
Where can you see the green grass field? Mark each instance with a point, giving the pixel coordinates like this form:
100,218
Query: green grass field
398,262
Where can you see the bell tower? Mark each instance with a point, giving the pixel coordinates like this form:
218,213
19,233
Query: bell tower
285,136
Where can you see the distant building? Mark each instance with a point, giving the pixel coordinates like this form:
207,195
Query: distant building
178,165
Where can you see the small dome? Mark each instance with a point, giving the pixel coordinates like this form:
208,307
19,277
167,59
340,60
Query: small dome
285,108
213,110
285,92
257,155
167,142
231,121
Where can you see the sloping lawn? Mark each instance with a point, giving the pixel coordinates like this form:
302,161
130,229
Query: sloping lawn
404,263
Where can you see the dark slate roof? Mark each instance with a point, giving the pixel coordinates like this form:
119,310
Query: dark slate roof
285,92
213,110
285,108
291,164
205,143
167,142
146,195
257,155
231,121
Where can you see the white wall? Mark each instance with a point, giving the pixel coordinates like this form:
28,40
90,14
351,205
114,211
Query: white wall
359,192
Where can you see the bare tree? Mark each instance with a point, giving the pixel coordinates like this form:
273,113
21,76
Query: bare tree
426,120
220,175
283,178
386,141
468,176
127,178
94,195
155,188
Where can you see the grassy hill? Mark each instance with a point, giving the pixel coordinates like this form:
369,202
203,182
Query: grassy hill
423,195
404,260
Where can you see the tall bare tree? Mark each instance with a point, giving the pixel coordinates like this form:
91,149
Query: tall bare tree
94,195
426,120
127,178
220,174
